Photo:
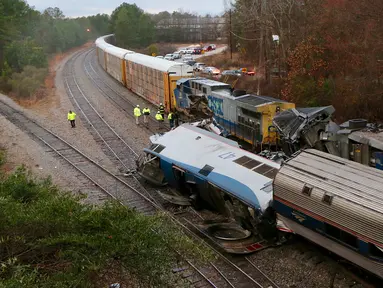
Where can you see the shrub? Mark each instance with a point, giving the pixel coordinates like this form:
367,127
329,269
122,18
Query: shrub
50,239
24,84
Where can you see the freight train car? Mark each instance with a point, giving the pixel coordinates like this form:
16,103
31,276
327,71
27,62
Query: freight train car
101,46
152,78
335,203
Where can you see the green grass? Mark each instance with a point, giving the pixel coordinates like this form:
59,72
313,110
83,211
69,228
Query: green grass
49,239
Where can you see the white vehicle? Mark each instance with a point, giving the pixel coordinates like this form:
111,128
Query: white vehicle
190,51
169,57
198,66
177,55
187,58
161,57
211,71
213,46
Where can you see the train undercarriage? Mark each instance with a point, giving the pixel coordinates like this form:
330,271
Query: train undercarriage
238,229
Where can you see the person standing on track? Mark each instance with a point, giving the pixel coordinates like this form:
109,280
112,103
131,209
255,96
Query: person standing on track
72,118
137,113
146,112
162,111
160,119
171,119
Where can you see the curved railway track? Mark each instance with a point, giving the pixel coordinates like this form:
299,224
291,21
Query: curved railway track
226,273
120,101
232,271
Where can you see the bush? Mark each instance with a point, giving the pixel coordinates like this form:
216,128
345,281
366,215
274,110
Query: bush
26,83
50,239
153,49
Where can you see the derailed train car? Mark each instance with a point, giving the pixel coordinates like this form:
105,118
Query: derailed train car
335,203
212,170
331,201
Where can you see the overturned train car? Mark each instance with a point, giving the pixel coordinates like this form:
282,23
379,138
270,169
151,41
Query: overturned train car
331,201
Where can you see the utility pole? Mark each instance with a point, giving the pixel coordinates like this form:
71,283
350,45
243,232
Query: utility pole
231,42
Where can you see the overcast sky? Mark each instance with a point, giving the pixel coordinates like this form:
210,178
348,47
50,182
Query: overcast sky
75,8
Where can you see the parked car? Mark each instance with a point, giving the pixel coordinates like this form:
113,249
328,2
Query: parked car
177,55
198,66
232,72
211,71
191,62
213,46
207,48
189,51
187,58
197,51
161,57
169,57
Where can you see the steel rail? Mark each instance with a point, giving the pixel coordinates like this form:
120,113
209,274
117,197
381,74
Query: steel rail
83,155
94,109
151,118
99,134
221,255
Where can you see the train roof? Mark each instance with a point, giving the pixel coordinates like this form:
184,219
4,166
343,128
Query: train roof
208,156
209,82
372,139
354,182
256,100
180,69
101,42
117,51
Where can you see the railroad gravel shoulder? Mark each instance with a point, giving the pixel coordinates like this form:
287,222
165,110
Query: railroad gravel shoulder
23,150
136,136
52,112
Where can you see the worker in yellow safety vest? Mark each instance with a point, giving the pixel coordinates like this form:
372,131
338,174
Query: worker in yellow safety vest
137,113
146,112
162,110
171,119
72,118
160,119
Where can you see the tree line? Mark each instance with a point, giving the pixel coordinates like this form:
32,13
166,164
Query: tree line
331,51
28,37
136,29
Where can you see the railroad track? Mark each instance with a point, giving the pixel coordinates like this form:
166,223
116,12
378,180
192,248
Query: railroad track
111,186
106,181
120,101
226,273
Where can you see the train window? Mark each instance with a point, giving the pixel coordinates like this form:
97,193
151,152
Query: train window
199,86
327,199
193,84
307,190
206,170
159,148
375,251
341,235
204,90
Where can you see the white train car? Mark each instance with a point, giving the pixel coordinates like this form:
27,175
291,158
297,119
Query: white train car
335,203
115,63
102,45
